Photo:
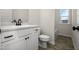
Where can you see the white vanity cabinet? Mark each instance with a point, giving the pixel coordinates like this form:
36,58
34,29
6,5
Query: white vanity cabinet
23,39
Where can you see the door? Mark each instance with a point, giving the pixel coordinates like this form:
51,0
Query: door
75,31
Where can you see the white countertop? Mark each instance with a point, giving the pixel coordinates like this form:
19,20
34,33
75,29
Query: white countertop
10,28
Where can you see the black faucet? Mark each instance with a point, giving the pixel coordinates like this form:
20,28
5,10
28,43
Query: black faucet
19,22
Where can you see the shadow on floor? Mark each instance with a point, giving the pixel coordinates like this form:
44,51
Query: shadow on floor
61,43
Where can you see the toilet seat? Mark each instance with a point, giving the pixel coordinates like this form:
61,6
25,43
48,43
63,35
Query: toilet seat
44,38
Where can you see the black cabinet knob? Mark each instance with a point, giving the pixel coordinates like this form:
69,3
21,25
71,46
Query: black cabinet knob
26,38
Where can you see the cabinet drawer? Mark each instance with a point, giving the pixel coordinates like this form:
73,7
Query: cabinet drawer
14,45
24,32
8,36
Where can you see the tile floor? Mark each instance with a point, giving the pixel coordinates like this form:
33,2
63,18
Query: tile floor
61,43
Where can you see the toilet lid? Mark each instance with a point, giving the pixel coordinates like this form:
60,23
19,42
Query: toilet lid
44,36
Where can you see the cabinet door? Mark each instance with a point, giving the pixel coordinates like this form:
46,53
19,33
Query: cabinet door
34,41
26,39
17,45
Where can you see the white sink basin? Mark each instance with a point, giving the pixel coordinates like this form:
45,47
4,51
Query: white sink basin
7,28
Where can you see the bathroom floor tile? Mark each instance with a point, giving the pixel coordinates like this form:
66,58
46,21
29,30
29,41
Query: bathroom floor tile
61,43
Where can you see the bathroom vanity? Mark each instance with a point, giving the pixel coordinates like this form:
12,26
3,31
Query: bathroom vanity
23,37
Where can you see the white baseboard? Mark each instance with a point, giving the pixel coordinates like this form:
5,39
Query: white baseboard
75,46
65,35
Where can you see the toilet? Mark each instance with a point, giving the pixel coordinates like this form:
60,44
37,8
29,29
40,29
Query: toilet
43,41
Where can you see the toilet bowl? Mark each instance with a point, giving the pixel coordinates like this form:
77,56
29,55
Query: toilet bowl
43,41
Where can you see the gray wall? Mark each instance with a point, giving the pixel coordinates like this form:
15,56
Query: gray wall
34,16
5,17
20,14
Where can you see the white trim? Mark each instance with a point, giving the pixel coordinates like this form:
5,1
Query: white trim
65,35
74,45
